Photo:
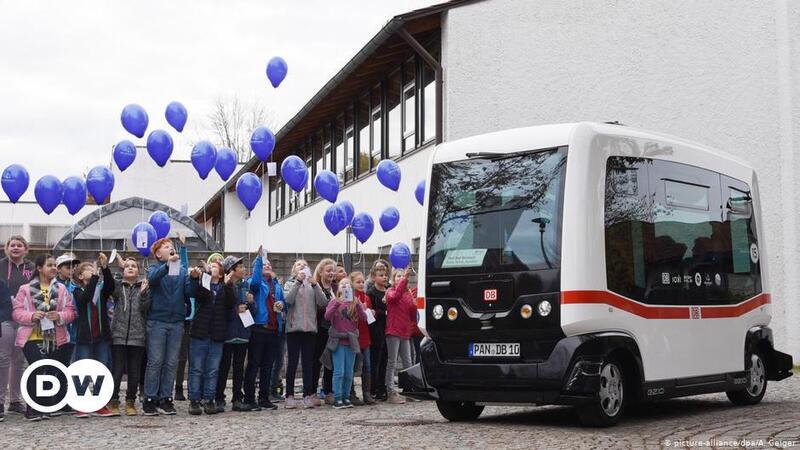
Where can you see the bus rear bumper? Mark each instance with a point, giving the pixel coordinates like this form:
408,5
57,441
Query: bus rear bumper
556,380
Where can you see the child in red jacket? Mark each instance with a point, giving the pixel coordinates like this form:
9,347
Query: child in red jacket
399,327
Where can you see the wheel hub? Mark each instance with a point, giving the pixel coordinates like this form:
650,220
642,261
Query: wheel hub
757,378
611,390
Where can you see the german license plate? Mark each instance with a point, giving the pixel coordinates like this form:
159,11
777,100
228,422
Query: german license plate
478,350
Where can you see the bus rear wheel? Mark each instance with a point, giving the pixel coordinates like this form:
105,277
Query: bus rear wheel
459,411
607,408
756,383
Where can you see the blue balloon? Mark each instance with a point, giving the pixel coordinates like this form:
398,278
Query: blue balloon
249,190
176,116
294,172
419,192
124,154
363,226
276,70
400,256
389,174
134,119
15,182
262,141
389,219
335,219
226,163
327,185
48,192
204,156
143,236
159,146
100,183
348,209
74,194
160,222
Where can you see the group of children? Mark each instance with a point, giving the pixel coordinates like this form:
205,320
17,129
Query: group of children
332,323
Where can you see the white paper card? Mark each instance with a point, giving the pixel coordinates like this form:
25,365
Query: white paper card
113,257
263,252
247,318
141,239
370,317
174,268
206,281
46,324
184,209
272,169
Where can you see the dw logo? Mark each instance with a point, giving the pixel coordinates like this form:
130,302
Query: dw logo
48,385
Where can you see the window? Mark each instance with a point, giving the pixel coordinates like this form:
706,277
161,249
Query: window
327,161
6,231
377,130
349,145
338,144
428,103
309,158
319,161
363,152
288,201
666,240
409,100
395,117
415,246
273,205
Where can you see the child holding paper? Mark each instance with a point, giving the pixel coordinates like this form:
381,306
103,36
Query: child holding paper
43,308
364,341
209,329
234,351
401,316
303,297
344,313
93,327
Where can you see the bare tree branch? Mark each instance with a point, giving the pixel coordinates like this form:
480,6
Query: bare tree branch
232,121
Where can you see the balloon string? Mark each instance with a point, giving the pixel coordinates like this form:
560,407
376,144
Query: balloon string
101,228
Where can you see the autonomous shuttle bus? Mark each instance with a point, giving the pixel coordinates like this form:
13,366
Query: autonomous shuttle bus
594,265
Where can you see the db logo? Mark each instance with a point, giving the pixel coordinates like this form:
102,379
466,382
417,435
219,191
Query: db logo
490,295
48,385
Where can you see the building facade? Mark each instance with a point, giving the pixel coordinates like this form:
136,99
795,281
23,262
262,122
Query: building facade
723,76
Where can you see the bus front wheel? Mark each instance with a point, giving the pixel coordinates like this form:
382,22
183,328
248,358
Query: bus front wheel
607,408
459,411
756,383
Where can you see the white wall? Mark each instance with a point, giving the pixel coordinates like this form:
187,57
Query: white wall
305,231
173,185
723,74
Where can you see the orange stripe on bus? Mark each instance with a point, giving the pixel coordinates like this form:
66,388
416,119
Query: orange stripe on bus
662,312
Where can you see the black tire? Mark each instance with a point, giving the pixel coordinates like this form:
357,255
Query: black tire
609,406
459,411
756,382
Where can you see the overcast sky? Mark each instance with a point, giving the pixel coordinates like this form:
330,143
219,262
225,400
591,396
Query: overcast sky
67,68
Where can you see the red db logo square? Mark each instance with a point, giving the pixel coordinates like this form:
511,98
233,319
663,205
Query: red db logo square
490,295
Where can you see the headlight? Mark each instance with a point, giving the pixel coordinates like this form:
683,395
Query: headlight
438,312
452,314
544,308
526,311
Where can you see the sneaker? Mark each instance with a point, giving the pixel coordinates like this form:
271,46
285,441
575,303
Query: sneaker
53,414
220,405
308,402
81,415
329,399
395,399
2,413
276,398
179,397
269,406
355,400
166,407
130,408
31,415
209,407
347,403
113,406
17,407
315,400
338,404
149,406
194,408
291,403
104,412
240,406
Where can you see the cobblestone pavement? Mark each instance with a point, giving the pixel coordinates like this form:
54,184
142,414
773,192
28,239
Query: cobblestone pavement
419,425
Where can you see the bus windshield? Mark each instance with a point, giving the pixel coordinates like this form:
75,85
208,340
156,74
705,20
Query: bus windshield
496,213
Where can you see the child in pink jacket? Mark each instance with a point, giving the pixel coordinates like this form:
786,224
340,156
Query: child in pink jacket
399,326
43,308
